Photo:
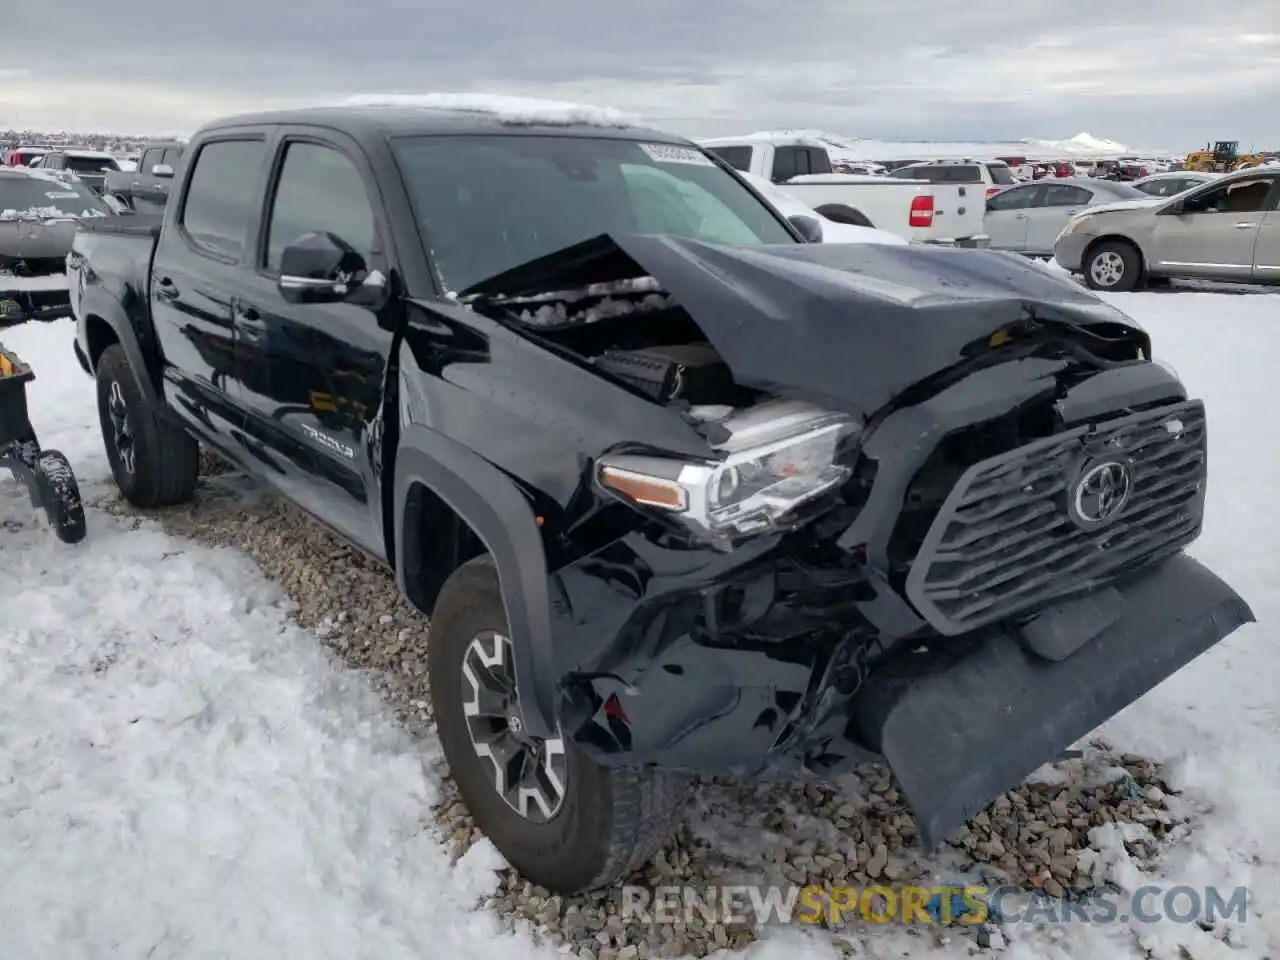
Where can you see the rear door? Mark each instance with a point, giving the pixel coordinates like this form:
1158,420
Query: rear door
1217,231
1054,207
311,376
1266,248
198,263
1007,219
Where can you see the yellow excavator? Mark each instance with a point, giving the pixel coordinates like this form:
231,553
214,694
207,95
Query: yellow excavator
1223,157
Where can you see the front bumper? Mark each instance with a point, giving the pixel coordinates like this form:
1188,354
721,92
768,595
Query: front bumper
795,652
1068,250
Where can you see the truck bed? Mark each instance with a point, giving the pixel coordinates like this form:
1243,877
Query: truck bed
119,248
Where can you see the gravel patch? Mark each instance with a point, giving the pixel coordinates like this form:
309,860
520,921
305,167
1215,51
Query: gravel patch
1053,836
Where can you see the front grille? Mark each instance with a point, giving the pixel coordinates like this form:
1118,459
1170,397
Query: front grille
1006,540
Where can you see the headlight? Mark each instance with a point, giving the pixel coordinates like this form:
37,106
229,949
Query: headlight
1075,223
776,457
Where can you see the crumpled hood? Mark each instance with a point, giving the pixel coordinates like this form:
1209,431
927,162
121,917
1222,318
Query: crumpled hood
1120,206
854,323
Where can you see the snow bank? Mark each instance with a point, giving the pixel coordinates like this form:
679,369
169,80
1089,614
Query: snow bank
514,111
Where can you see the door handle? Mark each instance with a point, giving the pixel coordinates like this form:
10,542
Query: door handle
1245,226
1020,216
166,289
250,324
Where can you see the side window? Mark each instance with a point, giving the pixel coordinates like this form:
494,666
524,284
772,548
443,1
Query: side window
819,160
319,191
1240,196
1065,195
51,161
737,157
1019,198
148,160
222,194
785,163
171,156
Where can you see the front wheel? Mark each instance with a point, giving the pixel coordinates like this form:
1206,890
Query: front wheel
563,821
1112,267
154,462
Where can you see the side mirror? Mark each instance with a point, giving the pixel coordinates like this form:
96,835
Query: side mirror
809,227
320,268
162,170
115,204
1177,208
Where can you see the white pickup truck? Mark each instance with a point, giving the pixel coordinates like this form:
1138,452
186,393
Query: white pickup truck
912,209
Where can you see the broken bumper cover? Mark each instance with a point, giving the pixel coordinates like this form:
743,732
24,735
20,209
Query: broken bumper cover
959,732
958,724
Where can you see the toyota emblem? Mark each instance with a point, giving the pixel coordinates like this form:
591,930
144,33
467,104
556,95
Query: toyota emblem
1101,493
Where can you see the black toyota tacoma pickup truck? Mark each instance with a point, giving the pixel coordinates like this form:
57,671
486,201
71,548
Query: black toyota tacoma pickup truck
680,492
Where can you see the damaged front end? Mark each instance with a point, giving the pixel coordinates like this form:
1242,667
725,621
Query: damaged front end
940,520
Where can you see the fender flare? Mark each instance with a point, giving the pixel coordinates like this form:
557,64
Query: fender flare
501,517
106,308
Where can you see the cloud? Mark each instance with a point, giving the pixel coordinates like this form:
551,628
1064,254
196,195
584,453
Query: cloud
1172,73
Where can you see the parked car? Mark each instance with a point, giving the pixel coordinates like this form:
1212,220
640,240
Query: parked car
1028,218
680,493
912,209
22,156
1227,229
1171,183
832,231
990,176
38,217
90,167
146,189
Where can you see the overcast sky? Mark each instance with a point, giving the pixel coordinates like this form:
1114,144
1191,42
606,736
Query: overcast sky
1149,73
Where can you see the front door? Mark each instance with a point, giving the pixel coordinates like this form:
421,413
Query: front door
1006,220
197,267
1215,233
1266,248
311,376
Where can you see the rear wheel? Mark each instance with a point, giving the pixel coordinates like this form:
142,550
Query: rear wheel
154,462
563,821
1113,267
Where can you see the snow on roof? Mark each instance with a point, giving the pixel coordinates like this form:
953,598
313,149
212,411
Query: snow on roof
514,111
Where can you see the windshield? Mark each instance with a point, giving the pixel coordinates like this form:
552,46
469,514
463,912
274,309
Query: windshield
91,164
1125,191
47,198
487,204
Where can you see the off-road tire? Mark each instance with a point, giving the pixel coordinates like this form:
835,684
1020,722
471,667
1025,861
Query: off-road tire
1130,279
166,457
612,820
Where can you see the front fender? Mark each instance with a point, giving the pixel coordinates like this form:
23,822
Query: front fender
502,518
97,305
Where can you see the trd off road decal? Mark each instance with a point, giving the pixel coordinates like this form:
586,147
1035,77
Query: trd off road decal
337,446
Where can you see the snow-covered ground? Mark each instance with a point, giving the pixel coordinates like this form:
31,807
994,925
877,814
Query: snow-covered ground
185,774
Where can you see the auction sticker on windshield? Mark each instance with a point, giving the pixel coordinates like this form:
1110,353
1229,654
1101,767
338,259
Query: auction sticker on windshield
670,153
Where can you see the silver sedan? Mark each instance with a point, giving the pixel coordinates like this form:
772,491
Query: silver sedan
38,217
1028,218
1228,229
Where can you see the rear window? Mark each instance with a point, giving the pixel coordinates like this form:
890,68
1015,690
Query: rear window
737,157
28,195
1001,174
90,164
